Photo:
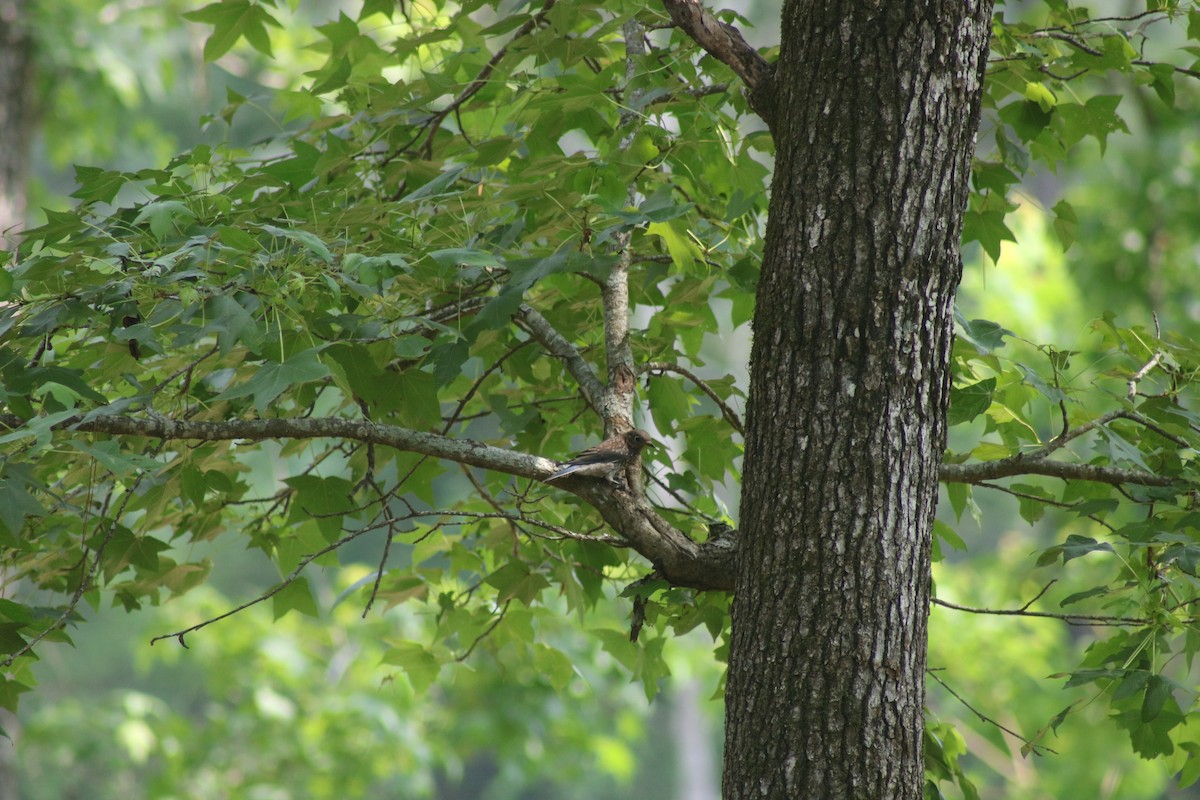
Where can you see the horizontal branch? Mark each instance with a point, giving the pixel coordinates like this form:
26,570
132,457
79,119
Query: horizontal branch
681,560
464,451
1038,462
1070,619
1025,465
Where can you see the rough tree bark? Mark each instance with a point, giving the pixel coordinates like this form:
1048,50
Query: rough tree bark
874,113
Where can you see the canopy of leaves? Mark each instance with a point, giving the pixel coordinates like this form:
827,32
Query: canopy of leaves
432,256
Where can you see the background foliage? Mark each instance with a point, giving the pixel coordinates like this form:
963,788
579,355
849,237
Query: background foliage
375,198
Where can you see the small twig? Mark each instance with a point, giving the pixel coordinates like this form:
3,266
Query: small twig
279,587
728,413
1047,500
466,398
1143,372
1070,619
383,558
499,618
985,718
1038,596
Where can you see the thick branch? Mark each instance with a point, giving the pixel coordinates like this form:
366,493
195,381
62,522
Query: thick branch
681,560
617,407
539,328
725,43
678,559
464,451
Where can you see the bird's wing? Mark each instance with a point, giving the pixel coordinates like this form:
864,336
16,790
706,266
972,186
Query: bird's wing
595,455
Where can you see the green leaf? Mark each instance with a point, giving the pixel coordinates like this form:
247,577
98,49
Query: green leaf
969,402
515,581
418,405
1066,223
1026,118
11,639
435,188
418,663
987,336
1163,82
164,217
97,184
1097,117
680,246
987,228
307,240
553,665
231,20
273,379
669,403
296,596
1040,94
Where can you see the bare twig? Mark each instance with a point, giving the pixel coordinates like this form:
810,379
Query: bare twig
1070,619
728,413
1143,372
279,587
487,631
985,718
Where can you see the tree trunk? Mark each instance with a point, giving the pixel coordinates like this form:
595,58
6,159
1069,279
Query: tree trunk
16,115
876,111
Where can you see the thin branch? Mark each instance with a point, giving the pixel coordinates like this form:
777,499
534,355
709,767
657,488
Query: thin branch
383,558
1143,372
1046,500
985,718
1070,619
85,581
1038,462
728,413
1024,465
279,587
466,398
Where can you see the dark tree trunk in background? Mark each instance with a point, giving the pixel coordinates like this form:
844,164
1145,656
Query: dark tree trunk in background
877,105
16,114
16,127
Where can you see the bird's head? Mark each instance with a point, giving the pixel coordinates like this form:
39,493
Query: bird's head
636,439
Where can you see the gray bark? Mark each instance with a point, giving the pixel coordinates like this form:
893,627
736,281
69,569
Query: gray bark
875,111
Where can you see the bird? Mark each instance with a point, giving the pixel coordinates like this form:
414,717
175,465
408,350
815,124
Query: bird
608,459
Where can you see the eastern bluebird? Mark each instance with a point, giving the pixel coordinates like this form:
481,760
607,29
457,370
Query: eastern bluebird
608,459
